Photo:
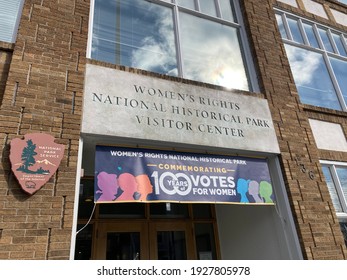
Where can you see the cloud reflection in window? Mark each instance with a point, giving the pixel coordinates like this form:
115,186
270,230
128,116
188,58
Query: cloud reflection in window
312,78
141,34
211,53
157,52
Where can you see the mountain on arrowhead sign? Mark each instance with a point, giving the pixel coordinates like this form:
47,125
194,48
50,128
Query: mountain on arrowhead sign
35,159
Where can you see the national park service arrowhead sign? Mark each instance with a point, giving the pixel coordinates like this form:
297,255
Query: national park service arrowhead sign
35,159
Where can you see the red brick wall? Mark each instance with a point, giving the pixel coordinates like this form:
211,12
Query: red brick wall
43,94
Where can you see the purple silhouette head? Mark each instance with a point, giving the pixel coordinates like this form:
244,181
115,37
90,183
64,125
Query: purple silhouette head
108,186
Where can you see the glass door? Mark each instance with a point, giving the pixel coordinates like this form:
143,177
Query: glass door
144,240
171,241
122,241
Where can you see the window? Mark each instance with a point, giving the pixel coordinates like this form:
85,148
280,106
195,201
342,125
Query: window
10,13
336,178
197,40
318,60
343,226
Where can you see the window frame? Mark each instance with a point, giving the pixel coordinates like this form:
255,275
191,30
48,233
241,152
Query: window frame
289,40
343,200
16,23
238,23
341,216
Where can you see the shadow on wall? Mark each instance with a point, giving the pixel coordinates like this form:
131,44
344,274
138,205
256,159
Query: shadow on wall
5,60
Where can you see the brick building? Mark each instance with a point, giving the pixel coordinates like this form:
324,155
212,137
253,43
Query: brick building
261,80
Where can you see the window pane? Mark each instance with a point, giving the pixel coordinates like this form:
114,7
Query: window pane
121,210
332,190
123,246
226,10
206,61
86,198
186,3
281,26
343,227
294,28
340,70
169,210
312,78
208,7
342,174
326,41
83,247
311,36
204,238
134,33
339,44
171,245
202,211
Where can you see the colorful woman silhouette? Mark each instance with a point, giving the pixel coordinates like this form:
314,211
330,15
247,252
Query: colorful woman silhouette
253,190
144,186
108,186
265,191
242,189
128,185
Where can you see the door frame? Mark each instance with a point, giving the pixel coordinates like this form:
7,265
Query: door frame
185,226
148,236
122,226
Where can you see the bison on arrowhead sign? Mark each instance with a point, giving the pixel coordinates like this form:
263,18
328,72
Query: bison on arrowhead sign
35,159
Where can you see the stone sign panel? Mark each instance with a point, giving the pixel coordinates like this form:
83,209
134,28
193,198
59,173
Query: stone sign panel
118,103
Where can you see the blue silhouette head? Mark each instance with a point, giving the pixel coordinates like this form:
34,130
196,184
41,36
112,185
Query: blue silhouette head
242,189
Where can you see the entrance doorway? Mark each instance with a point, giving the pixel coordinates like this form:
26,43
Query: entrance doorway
158,231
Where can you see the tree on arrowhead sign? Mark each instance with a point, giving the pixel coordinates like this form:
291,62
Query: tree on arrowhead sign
35,159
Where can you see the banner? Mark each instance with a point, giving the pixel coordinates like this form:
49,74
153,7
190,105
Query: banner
143,175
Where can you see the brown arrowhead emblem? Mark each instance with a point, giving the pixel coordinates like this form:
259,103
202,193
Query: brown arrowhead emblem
35,159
